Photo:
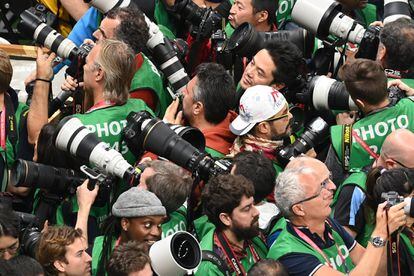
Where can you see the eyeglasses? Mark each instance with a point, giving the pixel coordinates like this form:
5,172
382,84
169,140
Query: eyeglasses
274,118
12,249
324,185
396,161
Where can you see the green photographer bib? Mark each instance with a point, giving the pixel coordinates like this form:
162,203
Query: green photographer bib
177,222
372,129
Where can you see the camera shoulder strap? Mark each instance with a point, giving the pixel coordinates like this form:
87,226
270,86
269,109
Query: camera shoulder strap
10,122
394,268
348,135
211,256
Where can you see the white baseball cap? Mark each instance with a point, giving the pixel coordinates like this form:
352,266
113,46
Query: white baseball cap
258,103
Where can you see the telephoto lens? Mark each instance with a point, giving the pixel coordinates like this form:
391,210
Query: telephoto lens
178,254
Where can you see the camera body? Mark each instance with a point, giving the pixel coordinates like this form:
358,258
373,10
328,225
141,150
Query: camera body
29,233
393,198
316,131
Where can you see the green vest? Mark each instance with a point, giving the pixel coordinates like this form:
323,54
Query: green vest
287,243
358,179
367,14
408,245
283,13
107,123
279,226
214,153
209,268
8,155
163,18
373,129
203,226
148,77
97,251
177,222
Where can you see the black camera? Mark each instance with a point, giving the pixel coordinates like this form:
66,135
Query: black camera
205,21
246,41
29,233
393,198
143,132
61,182
315,132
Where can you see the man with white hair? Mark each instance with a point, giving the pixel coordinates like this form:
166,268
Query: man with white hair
314,244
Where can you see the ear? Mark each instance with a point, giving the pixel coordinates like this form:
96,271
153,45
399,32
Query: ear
263,128
360,104
125,224
198,108
382,53
60,266
225,219
99,74
390,164
262,16
298,210
278,86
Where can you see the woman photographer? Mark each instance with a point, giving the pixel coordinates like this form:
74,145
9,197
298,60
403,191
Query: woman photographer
380,185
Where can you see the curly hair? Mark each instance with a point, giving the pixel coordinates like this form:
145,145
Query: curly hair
128,258
52,246
223,194
398,38
133,30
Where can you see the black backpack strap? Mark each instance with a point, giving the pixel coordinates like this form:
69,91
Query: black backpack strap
210,256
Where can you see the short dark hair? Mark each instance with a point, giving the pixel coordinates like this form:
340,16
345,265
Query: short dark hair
288,60
169,183
365,80
52,246
270,6
398,38
127,258
133,30
268,267
9,222
24,265
215,89
223,194
259,170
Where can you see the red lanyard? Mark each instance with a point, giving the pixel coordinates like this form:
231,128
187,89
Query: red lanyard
304,237
3,129
100,104
364,145
234,261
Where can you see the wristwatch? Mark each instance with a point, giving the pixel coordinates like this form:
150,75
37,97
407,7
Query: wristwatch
378,241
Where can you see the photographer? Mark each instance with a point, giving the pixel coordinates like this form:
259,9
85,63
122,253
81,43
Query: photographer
382,182
130,258
264,121
13,141
366,83
394,51
62,251
128,25
228,203
206,105
136,215
348,203
9,233
314,244
277,65
172,185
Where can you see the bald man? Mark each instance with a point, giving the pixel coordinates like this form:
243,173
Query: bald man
396,151
312,243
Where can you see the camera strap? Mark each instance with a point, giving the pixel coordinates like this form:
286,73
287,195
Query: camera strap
347,143
211,256
8,124
235,262
394,254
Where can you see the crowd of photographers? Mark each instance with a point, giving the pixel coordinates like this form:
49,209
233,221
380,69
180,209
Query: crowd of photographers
245,137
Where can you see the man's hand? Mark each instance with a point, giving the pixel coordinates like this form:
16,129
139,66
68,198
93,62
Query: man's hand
396,219
407,90
44,63
171,116
346,118
70,84
85,196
